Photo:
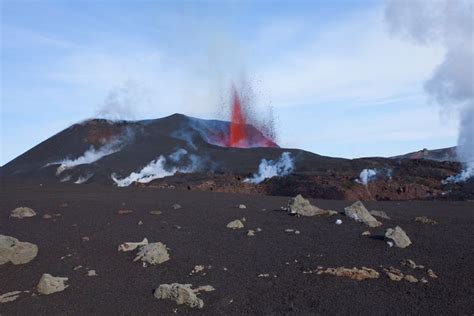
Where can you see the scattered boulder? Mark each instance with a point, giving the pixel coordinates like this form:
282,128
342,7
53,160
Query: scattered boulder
49,284
129,246
197,269
398,236
359,213
354,273
394,274
338,222
431,274
242,206
10,296
251,233
182,294
301,206
410,278
17,252
411,264
380,214
22,212
91,273
154,253
425,220
47,216
156,212
237,224
366,233
176,207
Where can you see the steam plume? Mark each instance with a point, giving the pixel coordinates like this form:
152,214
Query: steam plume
159,168
366,176
269,168
449,23
91,155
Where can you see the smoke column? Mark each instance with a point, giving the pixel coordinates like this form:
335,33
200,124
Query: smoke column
449,23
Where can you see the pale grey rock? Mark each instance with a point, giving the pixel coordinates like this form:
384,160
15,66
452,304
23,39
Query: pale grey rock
10,296
380,214
17,252
398,236
49,284
359,213
301,206
22,212
237,224
182,294
154,253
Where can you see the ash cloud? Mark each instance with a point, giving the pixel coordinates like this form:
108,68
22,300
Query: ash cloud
450,24
269,168
121,102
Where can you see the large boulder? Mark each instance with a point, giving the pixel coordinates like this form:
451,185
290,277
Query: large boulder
359,213
398,236
354,273
182,294
49,284
301,206
237,224
15,251
22,212
154,253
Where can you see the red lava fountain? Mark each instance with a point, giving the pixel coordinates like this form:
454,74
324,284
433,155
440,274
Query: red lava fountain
237,132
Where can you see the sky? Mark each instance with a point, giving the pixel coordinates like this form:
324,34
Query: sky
337,79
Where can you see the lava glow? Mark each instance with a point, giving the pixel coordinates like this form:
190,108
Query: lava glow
237,130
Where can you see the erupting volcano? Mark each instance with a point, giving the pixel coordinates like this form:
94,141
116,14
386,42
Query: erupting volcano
242,128
237,135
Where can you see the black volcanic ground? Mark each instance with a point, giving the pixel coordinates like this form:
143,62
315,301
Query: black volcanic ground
125,287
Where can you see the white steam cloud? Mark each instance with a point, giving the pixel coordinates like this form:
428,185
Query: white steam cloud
366,176
449,23
91,155
158,169
83,179
269,168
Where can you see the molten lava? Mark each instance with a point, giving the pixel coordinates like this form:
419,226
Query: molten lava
237,130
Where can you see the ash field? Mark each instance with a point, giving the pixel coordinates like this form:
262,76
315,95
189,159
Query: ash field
180,215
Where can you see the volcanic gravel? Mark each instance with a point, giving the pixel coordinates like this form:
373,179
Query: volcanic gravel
196,234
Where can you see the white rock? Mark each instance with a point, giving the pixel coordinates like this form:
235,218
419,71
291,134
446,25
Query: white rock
22,212
338,222
237,224
11,249
9,297
49,284
242,206
91,273
154,253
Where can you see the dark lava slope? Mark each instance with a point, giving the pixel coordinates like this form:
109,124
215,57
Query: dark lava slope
190,153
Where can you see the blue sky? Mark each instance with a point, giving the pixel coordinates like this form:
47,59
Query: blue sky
339,83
